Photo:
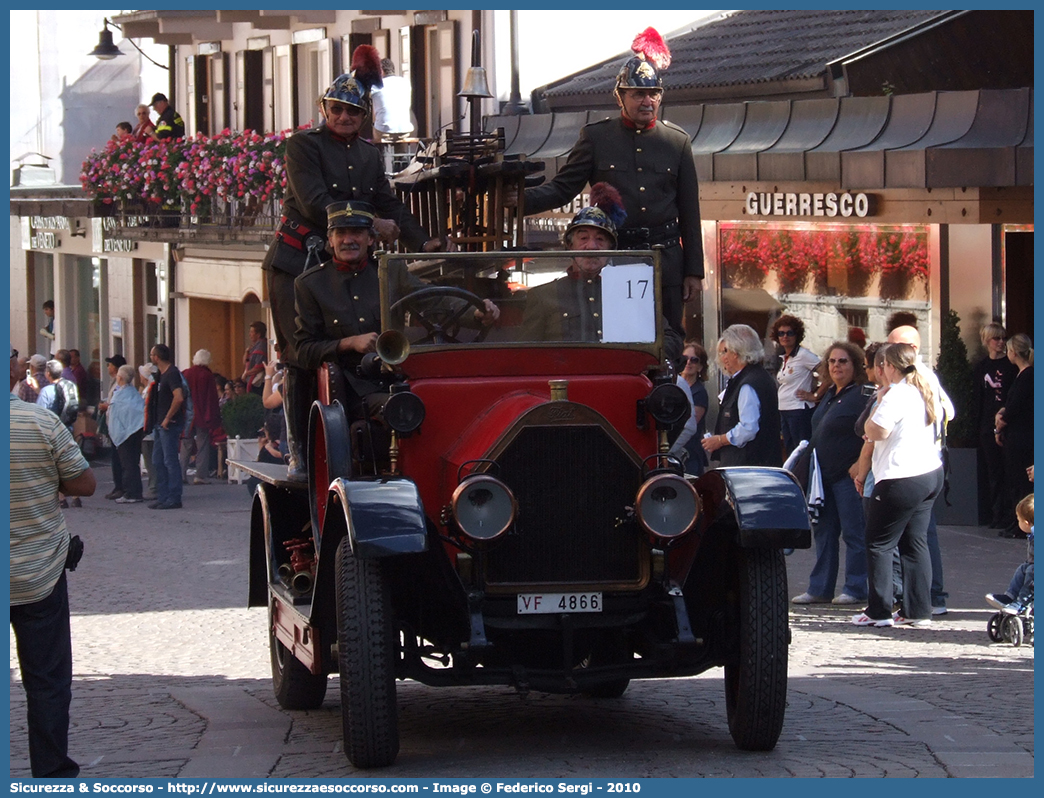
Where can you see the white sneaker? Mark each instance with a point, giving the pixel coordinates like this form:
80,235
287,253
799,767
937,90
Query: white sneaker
920,623
862,619
939,610
808,598
844,598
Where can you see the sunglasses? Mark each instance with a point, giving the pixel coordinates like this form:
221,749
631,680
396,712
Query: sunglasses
689,359
838,361
786,334
338,110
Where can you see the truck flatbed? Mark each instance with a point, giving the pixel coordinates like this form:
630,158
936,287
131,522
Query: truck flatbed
271,473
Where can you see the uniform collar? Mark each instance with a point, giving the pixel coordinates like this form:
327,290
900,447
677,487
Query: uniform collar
627,123
346,267
337,138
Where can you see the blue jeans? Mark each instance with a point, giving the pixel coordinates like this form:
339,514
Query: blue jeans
841,518
796,427
1021,587
939,594
165,461
45,660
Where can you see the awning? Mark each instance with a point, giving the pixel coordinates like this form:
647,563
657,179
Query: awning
932,140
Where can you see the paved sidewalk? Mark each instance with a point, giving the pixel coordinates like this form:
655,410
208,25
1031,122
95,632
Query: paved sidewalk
172,679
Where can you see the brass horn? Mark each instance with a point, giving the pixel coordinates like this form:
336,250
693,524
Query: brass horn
392,347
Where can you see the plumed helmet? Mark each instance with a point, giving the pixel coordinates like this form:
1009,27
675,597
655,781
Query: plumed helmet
643,69
606,212
350,213
355,87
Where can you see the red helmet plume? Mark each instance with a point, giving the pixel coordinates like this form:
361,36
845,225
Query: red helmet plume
650,45
366,66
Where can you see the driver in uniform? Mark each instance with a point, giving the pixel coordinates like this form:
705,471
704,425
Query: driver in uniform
570,308
339,303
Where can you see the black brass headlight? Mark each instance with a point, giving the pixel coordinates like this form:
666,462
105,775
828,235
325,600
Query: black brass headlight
667,506
483,507
667,404
404,411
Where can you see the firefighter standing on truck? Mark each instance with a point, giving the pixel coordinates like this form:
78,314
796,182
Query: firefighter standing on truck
327,164
649,161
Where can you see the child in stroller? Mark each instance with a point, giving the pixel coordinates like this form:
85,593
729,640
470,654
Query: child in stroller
1014,622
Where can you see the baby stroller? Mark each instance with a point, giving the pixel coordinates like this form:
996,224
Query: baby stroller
1007,627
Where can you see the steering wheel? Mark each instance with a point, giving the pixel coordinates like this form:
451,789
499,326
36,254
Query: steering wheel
441,323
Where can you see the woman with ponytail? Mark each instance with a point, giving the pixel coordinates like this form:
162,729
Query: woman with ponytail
908,476
1014,429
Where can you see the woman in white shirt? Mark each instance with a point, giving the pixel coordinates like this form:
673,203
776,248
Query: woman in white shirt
795,379
908,477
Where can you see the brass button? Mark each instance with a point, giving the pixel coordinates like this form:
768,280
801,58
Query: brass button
355,298
362,319
590,299
641,188
639,168
638,150
612,166
350,168
334,185
643,210
595,315
565,315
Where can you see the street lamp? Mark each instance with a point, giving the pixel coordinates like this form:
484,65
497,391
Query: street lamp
106,50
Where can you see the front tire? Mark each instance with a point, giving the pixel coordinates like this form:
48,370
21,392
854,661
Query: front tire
756,676
367,648
294,685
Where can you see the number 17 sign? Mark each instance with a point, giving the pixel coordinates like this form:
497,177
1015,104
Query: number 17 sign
628,304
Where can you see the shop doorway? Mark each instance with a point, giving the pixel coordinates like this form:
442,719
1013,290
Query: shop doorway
1018,281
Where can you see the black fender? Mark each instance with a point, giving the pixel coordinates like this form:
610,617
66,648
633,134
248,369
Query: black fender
766,505
381,517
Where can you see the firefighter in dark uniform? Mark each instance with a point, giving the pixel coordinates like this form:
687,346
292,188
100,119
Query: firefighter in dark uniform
338,304
570,308
170,125
649,161
327,164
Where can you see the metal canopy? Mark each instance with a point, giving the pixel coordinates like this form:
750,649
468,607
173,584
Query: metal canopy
932,140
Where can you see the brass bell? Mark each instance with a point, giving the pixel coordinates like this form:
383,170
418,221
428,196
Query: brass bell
475,84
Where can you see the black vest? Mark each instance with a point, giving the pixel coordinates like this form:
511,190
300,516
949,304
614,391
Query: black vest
766,448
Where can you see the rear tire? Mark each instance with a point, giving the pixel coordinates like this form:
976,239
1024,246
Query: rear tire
294,685
367,648
756,677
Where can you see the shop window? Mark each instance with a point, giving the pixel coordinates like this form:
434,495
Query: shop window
831,276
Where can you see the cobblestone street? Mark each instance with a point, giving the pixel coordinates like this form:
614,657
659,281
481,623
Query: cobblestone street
171,678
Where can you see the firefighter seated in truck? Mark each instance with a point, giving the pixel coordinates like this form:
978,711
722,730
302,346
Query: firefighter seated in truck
570,308
338,307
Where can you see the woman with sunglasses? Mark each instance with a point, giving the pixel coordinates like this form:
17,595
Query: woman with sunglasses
692,373
837,447
795,380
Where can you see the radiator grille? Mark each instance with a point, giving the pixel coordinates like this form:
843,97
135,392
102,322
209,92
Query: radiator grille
572,484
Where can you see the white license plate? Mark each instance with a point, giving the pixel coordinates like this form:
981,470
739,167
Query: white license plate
551,603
